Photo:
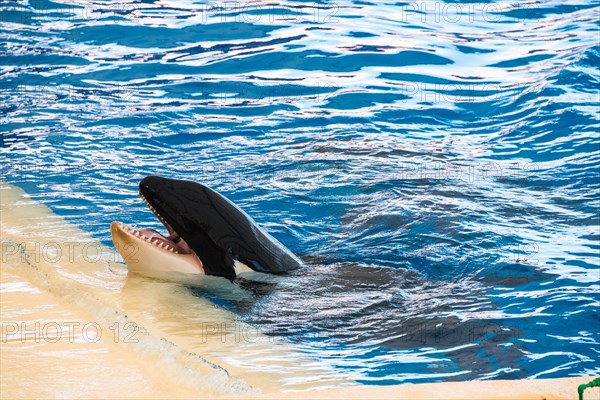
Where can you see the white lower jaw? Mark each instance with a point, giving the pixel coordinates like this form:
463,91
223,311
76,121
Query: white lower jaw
147,258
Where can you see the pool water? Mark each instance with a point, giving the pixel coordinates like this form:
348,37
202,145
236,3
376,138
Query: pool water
436,164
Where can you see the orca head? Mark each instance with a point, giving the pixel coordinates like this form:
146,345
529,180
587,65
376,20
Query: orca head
149,252
207,233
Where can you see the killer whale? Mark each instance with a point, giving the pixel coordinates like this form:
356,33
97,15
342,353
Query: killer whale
208,234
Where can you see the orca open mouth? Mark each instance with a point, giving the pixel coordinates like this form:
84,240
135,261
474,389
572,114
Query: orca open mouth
206,233
173,242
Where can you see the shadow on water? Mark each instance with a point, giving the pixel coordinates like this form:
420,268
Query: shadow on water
358,310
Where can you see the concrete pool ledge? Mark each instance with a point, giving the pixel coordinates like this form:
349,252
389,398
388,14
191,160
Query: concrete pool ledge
526,389
85,291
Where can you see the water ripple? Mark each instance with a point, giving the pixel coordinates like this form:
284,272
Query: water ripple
436,163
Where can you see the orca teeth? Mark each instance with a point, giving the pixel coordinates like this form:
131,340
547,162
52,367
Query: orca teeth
153,210
135,232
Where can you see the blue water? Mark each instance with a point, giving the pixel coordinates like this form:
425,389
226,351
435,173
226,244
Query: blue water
436,163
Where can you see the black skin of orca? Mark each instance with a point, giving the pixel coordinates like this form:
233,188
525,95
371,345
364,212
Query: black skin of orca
216,229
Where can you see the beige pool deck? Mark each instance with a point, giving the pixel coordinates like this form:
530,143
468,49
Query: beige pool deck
74,325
